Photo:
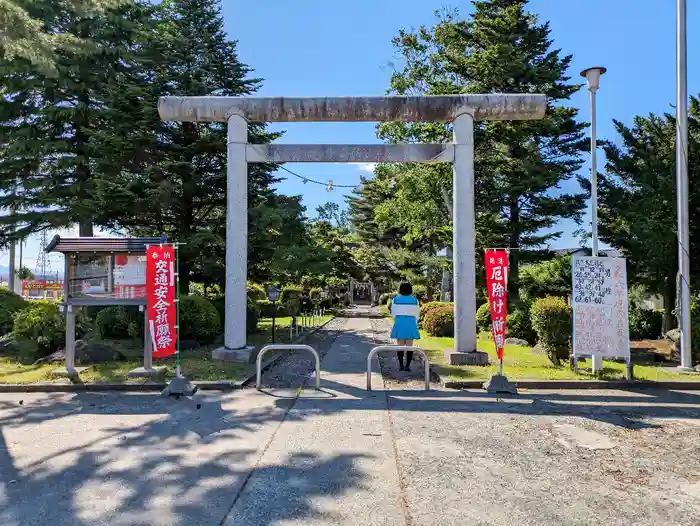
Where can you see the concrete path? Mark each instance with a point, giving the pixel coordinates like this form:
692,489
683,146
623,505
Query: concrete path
346,456
336,461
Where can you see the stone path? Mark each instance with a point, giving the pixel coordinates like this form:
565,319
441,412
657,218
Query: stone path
346,456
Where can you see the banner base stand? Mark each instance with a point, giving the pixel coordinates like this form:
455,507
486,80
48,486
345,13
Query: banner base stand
179,386
500,384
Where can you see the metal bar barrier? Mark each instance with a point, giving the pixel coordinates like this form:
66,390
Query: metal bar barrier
397,348
282,347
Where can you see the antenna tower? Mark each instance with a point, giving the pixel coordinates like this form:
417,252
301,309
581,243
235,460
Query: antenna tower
43,263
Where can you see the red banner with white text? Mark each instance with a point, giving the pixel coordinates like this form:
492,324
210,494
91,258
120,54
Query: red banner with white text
497,285
161,290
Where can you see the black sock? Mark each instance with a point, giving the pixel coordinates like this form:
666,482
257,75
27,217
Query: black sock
409,357
399,354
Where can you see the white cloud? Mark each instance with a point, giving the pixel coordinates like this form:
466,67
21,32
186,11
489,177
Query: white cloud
366,167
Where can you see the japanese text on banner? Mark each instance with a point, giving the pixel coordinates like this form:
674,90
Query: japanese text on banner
497,285
160,282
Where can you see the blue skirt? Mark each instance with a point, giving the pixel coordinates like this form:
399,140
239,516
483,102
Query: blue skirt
405,328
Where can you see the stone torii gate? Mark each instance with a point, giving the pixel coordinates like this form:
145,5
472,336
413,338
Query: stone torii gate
461,110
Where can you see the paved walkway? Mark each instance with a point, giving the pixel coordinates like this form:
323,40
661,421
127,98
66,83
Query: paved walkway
345,456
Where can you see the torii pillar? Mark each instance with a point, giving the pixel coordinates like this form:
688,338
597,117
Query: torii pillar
461,110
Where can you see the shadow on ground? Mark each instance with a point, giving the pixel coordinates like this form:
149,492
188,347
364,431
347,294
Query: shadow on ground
176,465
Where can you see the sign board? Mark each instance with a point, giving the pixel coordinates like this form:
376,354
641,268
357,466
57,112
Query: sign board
600,307
129,276
497,288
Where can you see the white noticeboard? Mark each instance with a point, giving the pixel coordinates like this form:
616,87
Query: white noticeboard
600,307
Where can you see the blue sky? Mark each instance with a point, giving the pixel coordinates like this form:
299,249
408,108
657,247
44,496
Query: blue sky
321,48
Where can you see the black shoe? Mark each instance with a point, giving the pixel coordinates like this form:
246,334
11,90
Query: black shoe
407,368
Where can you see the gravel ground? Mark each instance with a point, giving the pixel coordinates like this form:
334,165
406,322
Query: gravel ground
295,368
550,458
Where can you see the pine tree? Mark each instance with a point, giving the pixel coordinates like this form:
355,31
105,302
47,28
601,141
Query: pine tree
520,165
173,179
637,201
23,32
50,125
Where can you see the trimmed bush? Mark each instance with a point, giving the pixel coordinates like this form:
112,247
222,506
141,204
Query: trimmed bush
429,306
252,316
266,308
252,312
420,291
483,318
291,298
256,292
315,295
199,319
120,322
10,304
384,297
645,323
45,326
518,326
551,320
440,322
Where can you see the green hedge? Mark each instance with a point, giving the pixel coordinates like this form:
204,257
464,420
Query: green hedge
10,304
252,313
645,324
199,319
44,325
120,322
483,318
440,322
267,309
429,306
551,320
518,325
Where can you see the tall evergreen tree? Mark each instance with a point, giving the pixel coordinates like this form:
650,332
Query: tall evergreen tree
637,201
50,126
520,165
24,34
174,174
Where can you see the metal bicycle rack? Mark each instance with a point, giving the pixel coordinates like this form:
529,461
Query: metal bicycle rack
397,348
281,347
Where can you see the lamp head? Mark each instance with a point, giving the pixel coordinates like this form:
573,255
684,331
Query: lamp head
592,76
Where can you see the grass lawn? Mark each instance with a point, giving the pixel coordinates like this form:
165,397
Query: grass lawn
521,363
197,363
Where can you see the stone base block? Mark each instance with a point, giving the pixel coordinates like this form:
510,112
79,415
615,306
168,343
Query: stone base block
234,355
500,384
179,386
142,372
69,373
467,358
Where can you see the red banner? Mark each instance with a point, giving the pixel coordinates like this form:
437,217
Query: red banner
160,286
497,286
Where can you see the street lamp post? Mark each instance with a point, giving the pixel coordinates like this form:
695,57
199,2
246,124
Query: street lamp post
682,184
592,76
273,294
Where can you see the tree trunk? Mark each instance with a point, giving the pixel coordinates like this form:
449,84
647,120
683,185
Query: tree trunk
446,293
184,277
670,321
85,229
514,254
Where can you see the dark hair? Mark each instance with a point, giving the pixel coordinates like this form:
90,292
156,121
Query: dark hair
405,289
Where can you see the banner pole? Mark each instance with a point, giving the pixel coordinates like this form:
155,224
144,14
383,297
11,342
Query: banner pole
177,308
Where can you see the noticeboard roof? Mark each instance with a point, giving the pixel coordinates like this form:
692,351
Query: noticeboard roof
101,244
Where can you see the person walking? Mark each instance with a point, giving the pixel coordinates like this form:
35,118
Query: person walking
405,310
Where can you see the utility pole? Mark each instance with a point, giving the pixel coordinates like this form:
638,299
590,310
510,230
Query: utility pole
682,183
